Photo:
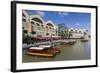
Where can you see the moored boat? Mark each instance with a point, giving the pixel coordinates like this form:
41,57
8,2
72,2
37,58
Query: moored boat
40,54
84,40
68,42
71,43
43,50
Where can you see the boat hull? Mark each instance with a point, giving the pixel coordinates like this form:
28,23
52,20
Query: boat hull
40,54
49,52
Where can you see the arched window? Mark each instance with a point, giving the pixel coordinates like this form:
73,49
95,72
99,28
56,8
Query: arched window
32,22
38,24
37,20
49,24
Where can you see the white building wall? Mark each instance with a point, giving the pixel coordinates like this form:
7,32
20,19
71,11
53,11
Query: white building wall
77,35
26,18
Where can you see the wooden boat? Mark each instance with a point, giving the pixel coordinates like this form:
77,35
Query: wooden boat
71,43
43,50
68,42
84,40
40,54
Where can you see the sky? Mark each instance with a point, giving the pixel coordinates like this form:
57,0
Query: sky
70,19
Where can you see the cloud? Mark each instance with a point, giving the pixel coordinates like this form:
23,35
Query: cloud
41,13
62,14
77,24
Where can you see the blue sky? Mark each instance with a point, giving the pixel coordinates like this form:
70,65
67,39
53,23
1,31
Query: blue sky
70,19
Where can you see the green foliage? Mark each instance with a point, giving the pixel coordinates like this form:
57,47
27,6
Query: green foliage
28,39
70,34
63,31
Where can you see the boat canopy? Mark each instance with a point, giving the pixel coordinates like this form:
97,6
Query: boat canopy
37,48
45,46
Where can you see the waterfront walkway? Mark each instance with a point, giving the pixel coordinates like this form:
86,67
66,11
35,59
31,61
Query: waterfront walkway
47,42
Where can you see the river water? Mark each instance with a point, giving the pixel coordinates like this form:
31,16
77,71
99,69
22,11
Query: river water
78,51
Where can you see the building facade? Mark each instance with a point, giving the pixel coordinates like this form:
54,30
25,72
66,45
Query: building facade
78,33
35,26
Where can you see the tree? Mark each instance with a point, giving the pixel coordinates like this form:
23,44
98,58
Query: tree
63,31
70,34
26,38
66,33
62,34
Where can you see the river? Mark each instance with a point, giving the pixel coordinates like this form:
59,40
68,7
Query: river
78,51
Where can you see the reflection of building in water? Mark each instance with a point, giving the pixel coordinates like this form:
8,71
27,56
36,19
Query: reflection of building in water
35,26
